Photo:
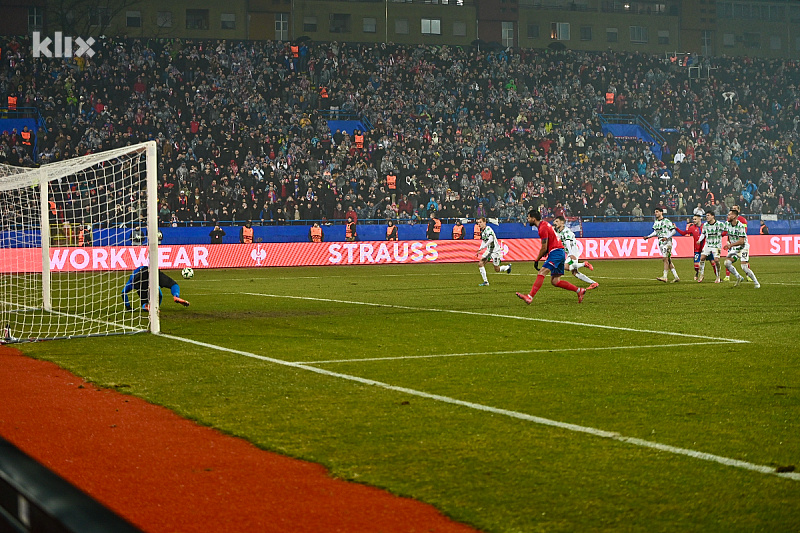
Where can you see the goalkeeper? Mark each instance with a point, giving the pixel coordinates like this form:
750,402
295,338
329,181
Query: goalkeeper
139,281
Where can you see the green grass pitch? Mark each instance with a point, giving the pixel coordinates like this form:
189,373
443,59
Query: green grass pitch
414,379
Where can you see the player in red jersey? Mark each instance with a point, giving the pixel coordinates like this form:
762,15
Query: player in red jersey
694,228
554,265
742,220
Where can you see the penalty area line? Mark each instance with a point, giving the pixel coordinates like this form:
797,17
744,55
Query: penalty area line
514,352
495,315
726,461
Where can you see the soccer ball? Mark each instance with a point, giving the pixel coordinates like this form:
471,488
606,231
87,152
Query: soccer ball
187,273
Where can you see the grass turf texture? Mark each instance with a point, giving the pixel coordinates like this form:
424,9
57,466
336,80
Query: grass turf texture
495,472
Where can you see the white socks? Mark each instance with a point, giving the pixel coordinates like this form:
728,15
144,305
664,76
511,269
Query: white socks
732,268
504,268
749,273
482,270
583,277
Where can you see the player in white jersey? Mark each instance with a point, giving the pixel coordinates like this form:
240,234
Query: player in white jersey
567,238
489,251
738,248
711,237
664,229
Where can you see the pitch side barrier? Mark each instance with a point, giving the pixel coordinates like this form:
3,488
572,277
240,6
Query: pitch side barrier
352,253
34,499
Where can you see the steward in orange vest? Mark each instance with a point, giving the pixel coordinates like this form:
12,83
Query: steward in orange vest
609,98
295,51
12,103
350,234
458,231
359,141
476,233
434,228
391,182
315,234
26,137
391,232
246,236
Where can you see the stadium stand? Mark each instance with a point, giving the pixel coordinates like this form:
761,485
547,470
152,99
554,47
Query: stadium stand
245,134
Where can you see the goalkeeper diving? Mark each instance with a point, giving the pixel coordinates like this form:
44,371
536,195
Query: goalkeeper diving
139,282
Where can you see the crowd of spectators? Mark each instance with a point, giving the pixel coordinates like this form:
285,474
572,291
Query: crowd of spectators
242,132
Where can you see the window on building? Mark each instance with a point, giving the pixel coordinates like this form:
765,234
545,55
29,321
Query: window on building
340,23
559,31
35,19
133,19
533,31
370,25
776,13
507,35
752,40
282,26
586,33
309,24
728,40
227,21
774,42
164,19
663,36
99,16
431,26
638,34
459,29
612,35
707,42
401,26
197,19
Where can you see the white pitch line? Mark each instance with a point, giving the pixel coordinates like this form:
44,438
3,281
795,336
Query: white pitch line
512,352
494,315
707,281
727,461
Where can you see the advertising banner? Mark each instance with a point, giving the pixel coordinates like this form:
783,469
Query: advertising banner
349,253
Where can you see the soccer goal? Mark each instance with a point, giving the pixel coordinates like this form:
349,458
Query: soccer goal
71,233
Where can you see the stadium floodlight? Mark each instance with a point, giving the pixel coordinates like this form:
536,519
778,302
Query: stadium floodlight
71,232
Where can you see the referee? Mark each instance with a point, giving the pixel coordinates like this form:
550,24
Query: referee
139,282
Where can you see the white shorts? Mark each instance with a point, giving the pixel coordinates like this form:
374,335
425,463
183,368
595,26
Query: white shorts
742,254
665,247
710,253
495,258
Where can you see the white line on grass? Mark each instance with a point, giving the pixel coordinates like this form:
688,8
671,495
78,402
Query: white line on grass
727,461
512,352
493,315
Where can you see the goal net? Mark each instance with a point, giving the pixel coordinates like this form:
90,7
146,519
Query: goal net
71,235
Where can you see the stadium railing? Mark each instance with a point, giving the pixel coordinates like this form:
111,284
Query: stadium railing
34,499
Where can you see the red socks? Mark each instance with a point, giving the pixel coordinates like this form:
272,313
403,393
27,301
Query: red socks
561,283
537,285
566,285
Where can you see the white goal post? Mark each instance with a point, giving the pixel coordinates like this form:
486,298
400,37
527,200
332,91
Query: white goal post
71,234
